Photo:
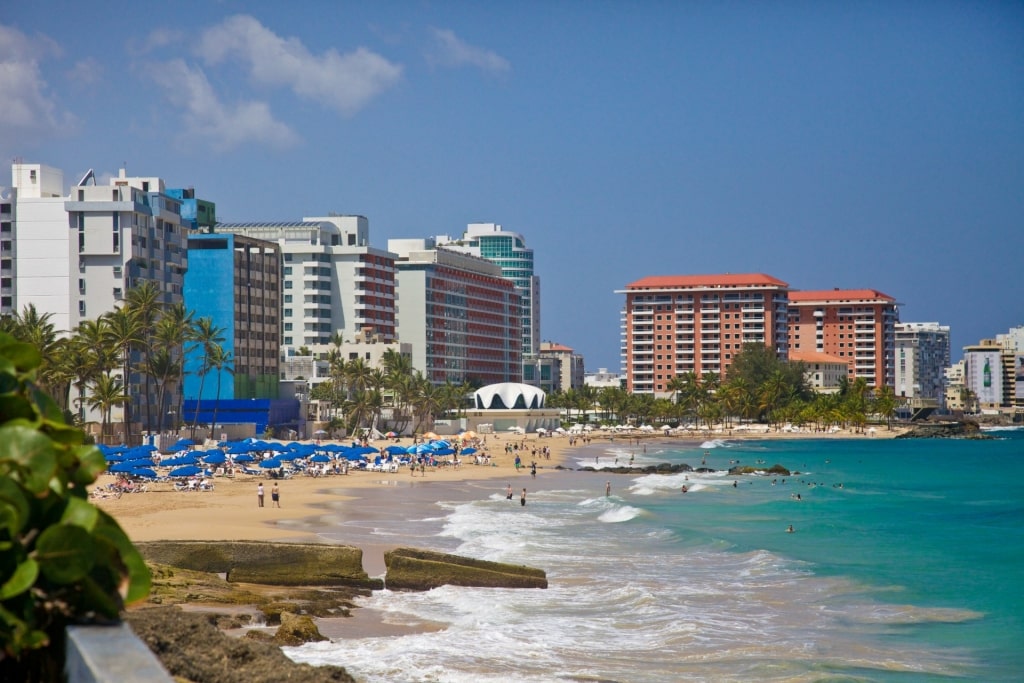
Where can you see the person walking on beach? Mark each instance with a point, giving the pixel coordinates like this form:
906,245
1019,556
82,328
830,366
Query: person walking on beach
275,496
259,494
522,498
607,489
508,492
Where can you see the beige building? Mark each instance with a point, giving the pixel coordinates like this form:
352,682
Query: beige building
823,372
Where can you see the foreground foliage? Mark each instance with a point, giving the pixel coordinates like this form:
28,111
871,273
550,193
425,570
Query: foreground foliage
62,559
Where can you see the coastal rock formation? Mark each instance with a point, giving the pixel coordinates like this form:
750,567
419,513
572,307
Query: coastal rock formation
297,629
413,569
274,564
955,429
191,648
748,469
661,468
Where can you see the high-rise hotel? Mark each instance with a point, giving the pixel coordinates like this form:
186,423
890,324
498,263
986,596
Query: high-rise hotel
856,325
677,324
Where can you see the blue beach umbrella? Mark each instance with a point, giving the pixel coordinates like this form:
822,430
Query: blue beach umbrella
215,458
270,463
186,471
444,451
244,457
144,472
320,458
121,467
468,451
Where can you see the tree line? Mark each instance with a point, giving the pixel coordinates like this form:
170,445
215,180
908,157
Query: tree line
759,388
143,339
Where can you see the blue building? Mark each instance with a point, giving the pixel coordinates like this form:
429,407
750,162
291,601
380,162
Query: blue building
197,214
235,282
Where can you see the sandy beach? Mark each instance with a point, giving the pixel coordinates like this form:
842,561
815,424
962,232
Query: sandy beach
230,512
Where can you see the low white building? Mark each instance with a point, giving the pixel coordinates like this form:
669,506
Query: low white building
823,372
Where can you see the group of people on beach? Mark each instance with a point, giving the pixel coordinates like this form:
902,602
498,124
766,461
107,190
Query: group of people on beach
275,495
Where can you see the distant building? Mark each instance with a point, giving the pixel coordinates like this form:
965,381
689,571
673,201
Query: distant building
983,374
556,368
603,378
508,250
922,356
678,324
197,215
823,372
857,325
332,279
458,313
236,282
75,256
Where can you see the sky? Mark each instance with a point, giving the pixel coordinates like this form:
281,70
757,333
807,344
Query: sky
829,144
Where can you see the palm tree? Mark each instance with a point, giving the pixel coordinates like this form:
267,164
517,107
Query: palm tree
207,336
145,301
220,361
123,331
106,391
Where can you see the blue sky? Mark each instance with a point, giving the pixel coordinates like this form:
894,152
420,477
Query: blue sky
830,144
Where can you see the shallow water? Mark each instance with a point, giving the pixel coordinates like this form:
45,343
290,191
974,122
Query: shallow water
908,571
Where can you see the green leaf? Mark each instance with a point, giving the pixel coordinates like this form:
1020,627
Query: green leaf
139,577
12,406
48,408
12,495
91,464
65,553
23,356
24,577
32,452
81,513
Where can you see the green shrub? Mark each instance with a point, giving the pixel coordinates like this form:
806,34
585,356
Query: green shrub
62,559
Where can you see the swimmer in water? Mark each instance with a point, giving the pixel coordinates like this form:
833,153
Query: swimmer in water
790,529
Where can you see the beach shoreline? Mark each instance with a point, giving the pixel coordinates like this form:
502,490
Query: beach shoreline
308,504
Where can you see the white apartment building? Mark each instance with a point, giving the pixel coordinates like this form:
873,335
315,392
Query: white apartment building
922,356
332,279
74,255
603,378
824,373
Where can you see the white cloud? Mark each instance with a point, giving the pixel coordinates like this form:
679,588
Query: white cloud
206,117
154,40
85,72
450,50
28,110
343,82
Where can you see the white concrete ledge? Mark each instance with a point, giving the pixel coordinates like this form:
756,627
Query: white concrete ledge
110,654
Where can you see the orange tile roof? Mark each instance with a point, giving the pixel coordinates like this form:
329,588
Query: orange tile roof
839,295
726,280
815,357
555,347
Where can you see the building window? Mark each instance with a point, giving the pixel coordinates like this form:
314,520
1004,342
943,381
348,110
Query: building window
81,308
117,272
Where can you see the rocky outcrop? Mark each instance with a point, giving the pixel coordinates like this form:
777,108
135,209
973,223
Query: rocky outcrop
191,648
297,629
274,564
661,468
956,429
413,569
748,469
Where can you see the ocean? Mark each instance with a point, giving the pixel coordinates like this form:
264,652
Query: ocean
905,564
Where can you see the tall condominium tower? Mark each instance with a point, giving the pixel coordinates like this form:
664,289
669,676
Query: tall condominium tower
922,356
857,325
509,251
459,314
76,255
678,324
332,279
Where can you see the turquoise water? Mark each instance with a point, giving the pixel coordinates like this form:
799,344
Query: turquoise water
930,523
909,571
